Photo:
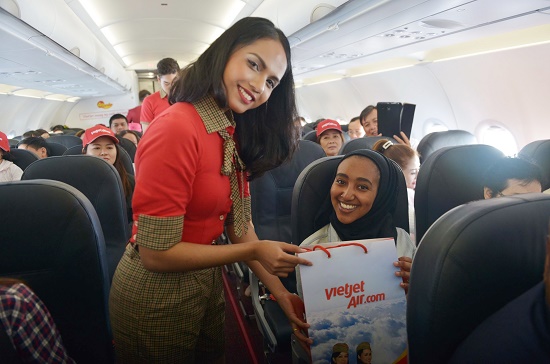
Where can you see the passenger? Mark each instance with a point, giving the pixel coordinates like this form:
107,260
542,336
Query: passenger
118,123
80,134
8,170
409,161
511,176
360,206
364,353
153,105
28,134
355,129
369,120
58,129
340,353
99,141
330,136
37,145
29,325
131,135
134,115
166,299
517,333
42,133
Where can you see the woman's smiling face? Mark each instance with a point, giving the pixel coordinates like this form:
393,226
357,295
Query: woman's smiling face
354,189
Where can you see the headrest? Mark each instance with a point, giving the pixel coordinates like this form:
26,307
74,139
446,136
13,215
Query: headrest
538,152
437,140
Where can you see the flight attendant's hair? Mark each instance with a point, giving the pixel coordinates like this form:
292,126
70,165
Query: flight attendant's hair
266,135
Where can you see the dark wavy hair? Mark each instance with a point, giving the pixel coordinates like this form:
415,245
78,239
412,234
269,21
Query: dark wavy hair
266,135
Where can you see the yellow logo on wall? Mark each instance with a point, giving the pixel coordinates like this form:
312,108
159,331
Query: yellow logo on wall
103,105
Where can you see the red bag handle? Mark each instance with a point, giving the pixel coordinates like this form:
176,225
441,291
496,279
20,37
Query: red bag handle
325,249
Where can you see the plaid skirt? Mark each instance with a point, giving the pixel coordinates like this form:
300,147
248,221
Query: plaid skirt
166,317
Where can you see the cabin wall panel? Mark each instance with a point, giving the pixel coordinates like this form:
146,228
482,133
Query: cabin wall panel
90,112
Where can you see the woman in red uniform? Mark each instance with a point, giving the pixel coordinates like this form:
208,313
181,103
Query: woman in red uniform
167,302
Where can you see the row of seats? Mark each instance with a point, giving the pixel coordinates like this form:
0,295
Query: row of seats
450,177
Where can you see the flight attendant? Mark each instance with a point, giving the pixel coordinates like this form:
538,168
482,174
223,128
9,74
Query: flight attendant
193,167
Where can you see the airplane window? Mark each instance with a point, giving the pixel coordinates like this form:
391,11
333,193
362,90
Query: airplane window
500,138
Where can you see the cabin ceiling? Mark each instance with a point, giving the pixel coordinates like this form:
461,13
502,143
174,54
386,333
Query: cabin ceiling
357,37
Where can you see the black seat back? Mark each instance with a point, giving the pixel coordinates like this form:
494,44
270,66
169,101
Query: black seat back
471,262
55,149
128,146
22,157
440,139
52,239
538,152
66,140
450,177
101,184
272,193
311,136
363,143
312,188
74,150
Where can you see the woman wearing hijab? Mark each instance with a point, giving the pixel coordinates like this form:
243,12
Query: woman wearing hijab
363,198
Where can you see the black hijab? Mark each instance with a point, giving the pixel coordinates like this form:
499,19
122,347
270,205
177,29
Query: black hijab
378,222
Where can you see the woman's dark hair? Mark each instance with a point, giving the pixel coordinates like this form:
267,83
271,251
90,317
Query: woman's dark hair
266,135
7,155
119,166
497,175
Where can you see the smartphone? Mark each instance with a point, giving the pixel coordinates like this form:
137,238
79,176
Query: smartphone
407,118
389,118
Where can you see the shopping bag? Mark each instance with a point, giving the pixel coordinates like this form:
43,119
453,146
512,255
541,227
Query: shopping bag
353,301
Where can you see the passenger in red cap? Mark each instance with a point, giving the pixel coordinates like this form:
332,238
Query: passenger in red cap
100,141
8,170
330,136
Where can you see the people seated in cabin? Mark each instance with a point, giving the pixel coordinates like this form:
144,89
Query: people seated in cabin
168,286
517,333
360,206
355,129
41,133
330,136
118,123
134,114
154,104
28,134
29,325
131,135
58,129
369,120
409,161
364,353
99,141
511,176
8,170
37,145
340,354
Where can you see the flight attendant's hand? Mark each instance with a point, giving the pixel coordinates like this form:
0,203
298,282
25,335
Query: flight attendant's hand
275,258
294,309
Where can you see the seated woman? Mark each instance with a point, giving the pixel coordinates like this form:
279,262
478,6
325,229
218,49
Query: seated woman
409,161
8,170
100,141
360,206
131,135
330,136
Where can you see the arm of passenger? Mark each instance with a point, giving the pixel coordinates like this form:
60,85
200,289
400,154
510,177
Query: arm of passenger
291,304
403,140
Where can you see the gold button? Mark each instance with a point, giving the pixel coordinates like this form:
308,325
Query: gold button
221,217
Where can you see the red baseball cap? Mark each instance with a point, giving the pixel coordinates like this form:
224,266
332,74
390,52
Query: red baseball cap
4,142
328,124
97,131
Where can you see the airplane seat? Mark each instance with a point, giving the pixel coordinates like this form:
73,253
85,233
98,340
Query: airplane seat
306,129
127,160
22,157
451,176
472,261
363,143
55,149
271,206
344,128
13,143
62,259
74,150
437,140
66,140
311,190
100,183
538,152
129,147
311,136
